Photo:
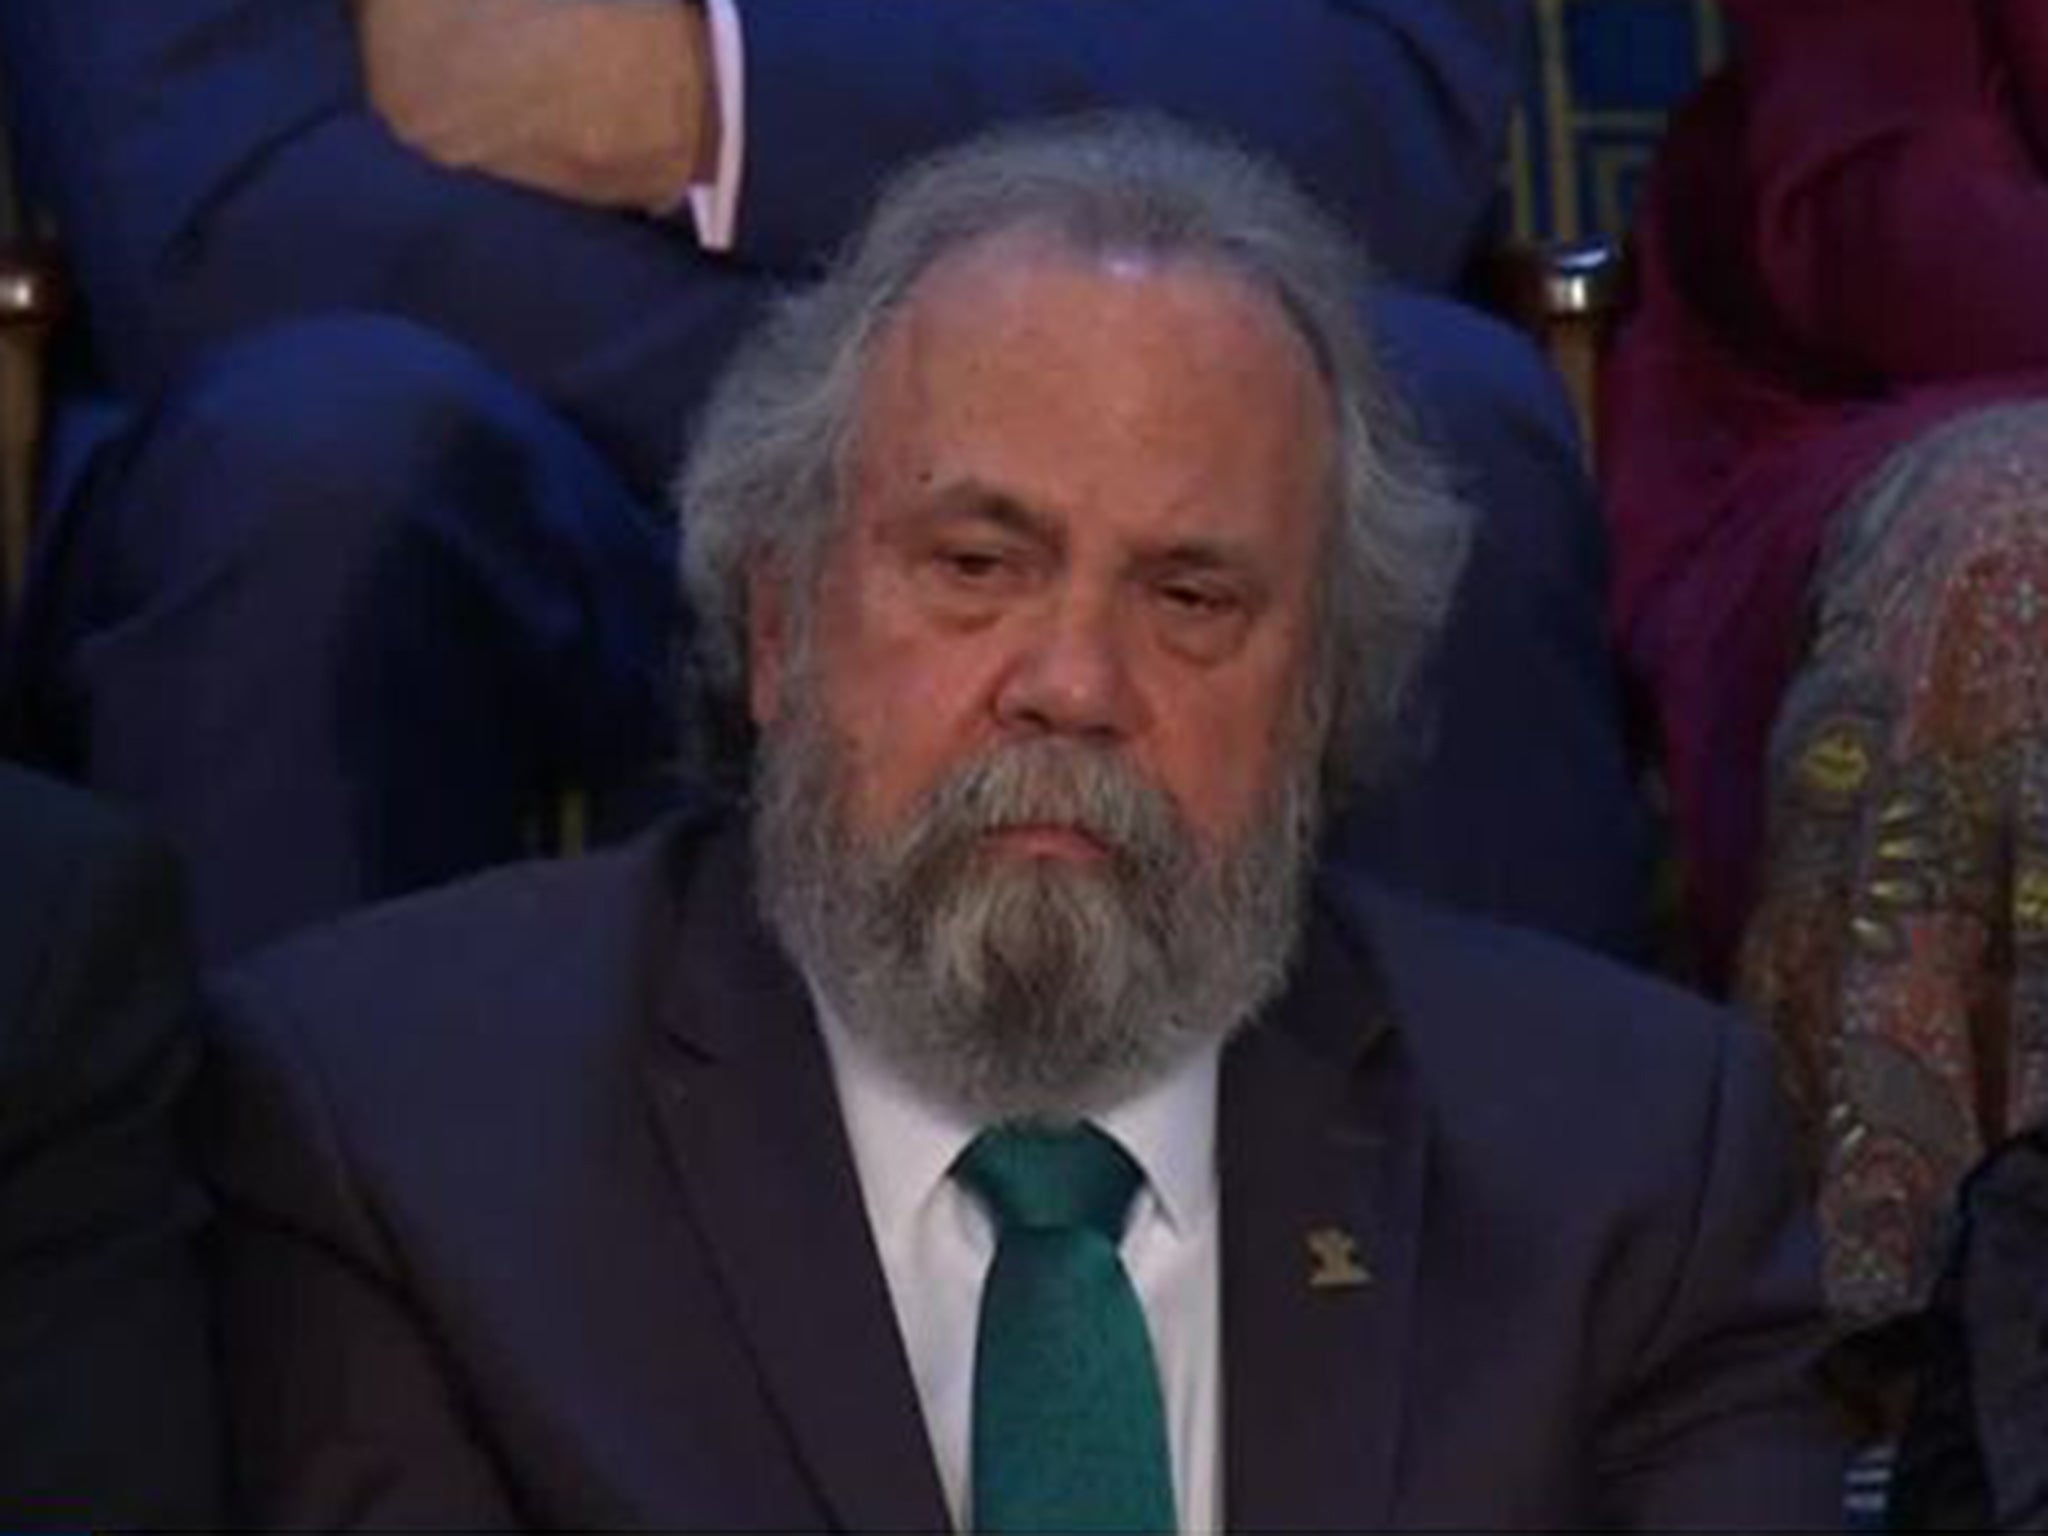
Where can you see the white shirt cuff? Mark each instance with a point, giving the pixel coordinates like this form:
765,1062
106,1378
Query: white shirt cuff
715,205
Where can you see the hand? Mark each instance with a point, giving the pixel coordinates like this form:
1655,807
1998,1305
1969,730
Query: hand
606,102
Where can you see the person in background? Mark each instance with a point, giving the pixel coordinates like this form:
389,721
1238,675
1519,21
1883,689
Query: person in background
1828,477
108,1411
1006,1121
403,306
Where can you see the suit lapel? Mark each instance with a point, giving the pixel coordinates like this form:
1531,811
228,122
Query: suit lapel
1322,1151
743,1094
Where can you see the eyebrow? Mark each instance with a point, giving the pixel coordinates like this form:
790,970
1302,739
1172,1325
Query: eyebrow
975,500
1202,555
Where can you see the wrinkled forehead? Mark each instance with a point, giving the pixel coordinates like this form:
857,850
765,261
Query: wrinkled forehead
1056,365
1039,279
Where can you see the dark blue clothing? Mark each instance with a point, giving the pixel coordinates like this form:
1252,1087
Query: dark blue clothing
108,1410
216,168
343,613
379,558
538,1210
1974,1455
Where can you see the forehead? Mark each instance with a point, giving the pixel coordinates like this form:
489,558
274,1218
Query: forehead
1008,279
1063,375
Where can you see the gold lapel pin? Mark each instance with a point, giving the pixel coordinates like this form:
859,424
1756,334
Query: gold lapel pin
1333,1261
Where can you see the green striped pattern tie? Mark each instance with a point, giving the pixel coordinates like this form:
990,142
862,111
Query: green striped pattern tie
1069,1433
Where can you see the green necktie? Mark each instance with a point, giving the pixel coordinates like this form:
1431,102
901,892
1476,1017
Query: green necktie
1069,1434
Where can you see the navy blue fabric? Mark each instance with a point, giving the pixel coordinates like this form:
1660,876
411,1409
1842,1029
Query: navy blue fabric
427,421
343,614
1393,111
109,1413
539,1211
1519,800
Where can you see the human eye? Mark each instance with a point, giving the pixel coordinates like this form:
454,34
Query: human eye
975,574
1201,615
1196,599
972,564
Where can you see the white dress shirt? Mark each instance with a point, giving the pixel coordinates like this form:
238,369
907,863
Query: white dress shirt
936,1243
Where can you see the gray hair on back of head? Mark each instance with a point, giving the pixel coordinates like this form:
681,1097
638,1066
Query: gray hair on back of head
766,475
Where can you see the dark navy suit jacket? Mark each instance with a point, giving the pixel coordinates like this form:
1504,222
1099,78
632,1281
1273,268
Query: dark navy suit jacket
216,166
539,1210
107,1401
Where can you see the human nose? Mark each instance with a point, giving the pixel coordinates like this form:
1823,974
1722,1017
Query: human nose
1072,676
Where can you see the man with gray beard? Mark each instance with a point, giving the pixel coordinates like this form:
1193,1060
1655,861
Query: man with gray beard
1006,1121
1026,989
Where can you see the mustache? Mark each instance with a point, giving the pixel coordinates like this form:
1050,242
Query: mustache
1051,782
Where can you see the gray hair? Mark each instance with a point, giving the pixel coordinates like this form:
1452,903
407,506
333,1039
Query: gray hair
765,481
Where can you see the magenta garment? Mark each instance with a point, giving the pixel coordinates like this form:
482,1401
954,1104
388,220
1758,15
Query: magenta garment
1845,241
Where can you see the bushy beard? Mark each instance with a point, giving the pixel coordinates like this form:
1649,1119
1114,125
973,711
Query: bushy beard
1022,988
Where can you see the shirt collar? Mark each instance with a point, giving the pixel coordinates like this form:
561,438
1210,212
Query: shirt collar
904,1145
1170,1130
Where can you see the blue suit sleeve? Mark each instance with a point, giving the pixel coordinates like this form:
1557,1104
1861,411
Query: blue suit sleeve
215,167
1724,1425
1391,110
